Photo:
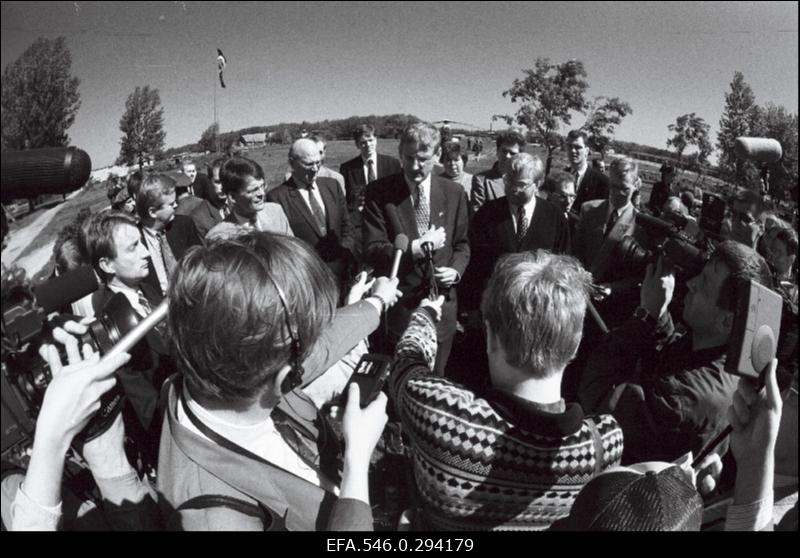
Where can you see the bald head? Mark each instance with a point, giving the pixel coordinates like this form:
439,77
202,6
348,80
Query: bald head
305,160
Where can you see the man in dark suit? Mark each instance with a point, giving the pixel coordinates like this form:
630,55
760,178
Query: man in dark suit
368,167
517,222
427,209
166,235
489,185
590,184
316,209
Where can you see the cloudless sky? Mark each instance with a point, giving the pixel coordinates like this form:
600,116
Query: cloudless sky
294,61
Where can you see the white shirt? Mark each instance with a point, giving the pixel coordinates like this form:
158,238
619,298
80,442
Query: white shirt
304,193
581,172
425,191
154,247
529,207
262,439
365,167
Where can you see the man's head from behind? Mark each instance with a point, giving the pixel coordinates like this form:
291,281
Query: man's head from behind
155,202
114,247
523,177
419,150
243,180
229,324
534,307
709,307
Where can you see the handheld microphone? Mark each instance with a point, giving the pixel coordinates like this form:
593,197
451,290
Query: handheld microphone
427,249
52,170
760,150
400,246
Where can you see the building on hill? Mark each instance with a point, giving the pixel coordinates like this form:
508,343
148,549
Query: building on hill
253,140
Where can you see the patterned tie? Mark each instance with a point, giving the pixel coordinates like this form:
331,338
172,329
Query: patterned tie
319,216
612,219
166,253
422,211
144,303
371,171
522,224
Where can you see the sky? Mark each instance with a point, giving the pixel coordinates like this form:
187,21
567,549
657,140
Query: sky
294,61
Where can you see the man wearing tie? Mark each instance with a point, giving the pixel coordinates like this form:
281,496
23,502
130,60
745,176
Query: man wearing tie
368,167
316,209
427,209
243,182
166,235
590,184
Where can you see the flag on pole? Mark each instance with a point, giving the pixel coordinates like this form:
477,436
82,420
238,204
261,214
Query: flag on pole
221,62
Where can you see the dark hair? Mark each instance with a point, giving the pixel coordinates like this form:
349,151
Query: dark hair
575,134
98,234
556,181
452,151
233,174
743,264
363,130
134,183
226,317
512,136
215,164
69,248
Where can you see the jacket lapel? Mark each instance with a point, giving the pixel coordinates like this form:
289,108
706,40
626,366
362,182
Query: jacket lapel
329,202
297,202
506,232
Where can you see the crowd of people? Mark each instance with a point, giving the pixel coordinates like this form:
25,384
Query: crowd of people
539,378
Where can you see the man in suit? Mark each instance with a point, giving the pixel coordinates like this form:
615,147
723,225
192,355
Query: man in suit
427,209
166,235
215,206
316,209
368,167
243,182
662,190
488,185
590,183
602,227
517,222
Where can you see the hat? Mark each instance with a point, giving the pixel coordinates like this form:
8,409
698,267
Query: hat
628,500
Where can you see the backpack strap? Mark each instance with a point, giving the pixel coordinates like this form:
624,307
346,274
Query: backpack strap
269,519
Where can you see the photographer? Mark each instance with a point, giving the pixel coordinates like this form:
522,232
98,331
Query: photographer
70,401
670,393
242,448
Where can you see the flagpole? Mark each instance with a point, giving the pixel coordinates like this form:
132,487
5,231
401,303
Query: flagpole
216,122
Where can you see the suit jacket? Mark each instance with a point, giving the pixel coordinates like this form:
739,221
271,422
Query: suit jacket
181,235
487,185
355,182
187,204
205,216
335,247
492,235
388,212
593,186
271,218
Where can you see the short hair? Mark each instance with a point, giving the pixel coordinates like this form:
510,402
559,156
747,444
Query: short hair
227,320
675,205
154,188
422,134
557,181
215,164
363,130
134,183
98,237
687,197
452,151
596,163
525,164
67,255
744,264
579,133
535,303
233,174
623,168
511,136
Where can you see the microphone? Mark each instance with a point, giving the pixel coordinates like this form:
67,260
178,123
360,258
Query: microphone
52,170
427,249
400,246
760,150
65,289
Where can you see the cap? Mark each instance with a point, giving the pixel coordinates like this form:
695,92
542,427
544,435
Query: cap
628,500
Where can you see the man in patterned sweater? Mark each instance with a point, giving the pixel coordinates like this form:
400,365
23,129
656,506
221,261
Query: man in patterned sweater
517,456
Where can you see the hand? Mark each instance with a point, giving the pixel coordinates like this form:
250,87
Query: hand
435,305
105,454
357,291
445,276
755,418
386,289
437,236
706,475
73,395
657,288
362,428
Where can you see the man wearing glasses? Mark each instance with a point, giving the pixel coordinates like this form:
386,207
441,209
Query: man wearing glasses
316,209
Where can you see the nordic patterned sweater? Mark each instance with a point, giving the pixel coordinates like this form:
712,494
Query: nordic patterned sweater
495,463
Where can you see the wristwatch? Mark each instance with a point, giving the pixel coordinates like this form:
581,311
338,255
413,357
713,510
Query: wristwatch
644,316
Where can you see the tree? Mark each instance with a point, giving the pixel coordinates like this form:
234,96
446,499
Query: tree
547,95
40,98
208,140
142,125
690,129
776,122
738,119
604,114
